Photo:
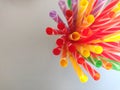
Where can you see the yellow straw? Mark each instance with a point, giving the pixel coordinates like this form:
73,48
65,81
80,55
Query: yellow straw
81,9
95,49
90,6
82,77
75,36
116,9
88,21
112,38
84,51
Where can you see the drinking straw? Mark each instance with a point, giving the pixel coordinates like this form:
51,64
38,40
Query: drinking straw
62,27
51,31
86,32
71,47
60,41
69,17
112,37
90,38
75,11
116,9
95,61
62,6
79,58
111,56
57,51
95,49
82,77
88,21
84,51
89,8
108,8
53,14
75,36
63,60
106,24
113,29
110,47
107,65
97,9
115,64
82,6
69,4
95,75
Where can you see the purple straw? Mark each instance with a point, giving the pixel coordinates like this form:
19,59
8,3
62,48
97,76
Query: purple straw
53,14
62,6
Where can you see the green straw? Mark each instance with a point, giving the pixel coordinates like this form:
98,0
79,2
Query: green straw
95,62
69,4
115,64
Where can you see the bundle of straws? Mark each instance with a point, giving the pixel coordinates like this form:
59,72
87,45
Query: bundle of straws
91,36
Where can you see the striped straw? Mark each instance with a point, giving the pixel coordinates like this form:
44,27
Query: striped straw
95,75
53,14
69,17
62,6
75,10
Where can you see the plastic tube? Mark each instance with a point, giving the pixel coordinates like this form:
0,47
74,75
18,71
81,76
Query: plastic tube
56,51
53,14
82,77
112,37
115,64
95,75
81,10
69,4
60,41
62,6
108,8
75,36
88,21
107,65
63,60
75,11
111,56
95,62
51,31
84,51
90,7
69,17
95,49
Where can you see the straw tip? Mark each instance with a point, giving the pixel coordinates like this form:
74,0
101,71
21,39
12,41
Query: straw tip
98,63
60,42
72,48
84,79
69,13
56,51
98,49
81,60
96,76
49,31
75,36
61,26
63,62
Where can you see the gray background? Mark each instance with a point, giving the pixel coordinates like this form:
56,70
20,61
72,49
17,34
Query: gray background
26,61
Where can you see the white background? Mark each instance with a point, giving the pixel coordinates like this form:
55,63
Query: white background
26,61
